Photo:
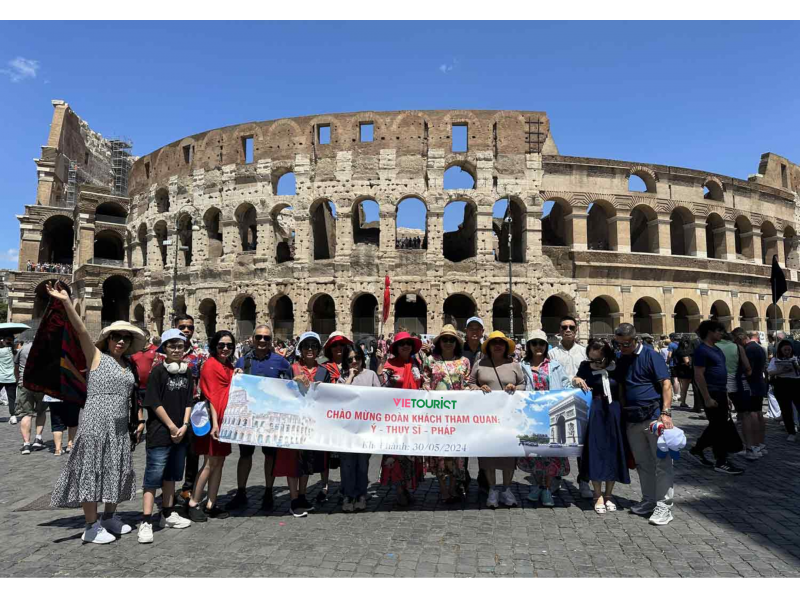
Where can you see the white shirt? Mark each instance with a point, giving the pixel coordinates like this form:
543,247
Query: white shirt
569,359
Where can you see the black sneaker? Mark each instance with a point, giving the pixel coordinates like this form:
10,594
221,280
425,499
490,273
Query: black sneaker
216,513
304,503
297,510
196,514
268,502
239,501
38,444
26,449
700,457
728,469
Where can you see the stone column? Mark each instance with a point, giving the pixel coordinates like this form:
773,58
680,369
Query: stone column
695,233
154,252
86,246
730,241
388,223
302,239
756,244
620,231
436,234
777,240
231,241
577,233
659,232
484,235
266,238
533,238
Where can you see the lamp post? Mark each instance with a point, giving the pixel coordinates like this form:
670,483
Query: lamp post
508,221
178,247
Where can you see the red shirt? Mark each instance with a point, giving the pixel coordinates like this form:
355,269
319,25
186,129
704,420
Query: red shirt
144,364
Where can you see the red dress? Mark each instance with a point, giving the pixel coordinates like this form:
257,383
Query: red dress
215,383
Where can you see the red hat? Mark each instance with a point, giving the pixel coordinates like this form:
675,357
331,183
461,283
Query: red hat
404,335
335,336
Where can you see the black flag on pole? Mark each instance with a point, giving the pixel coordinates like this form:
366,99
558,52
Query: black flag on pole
777,280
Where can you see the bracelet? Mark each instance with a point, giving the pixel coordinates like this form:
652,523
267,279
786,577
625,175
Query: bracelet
142,421
666,412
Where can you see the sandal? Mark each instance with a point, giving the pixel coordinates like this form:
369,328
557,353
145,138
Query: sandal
610,506
600,509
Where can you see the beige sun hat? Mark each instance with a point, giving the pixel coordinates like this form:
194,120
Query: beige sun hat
137,344
449,330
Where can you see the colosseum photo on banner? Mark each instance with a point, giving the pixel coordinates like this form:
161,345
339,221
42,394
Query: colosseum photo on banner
273,412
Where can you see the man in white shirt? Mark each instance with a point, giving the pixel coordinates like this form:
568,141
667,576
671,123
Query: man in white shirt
570,354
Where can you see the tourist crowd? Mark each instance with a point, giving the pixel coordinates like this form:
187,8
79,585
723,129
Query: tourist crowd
60,268
173,394
410,243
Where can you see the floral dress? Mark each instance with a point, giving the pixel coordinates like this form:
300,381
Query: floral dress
440,374
538,466
405,470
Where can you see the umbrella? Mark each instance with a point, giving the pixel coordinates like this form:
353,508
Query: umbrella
13,328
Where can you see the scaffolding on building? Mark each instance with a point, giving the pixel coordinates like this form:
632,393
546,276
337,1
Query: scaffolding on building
120,164
72,183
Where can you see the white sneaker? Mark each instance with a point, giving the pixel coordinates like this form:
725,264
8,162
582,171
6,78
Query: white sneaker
586,491
791,438
145,533
507,498
492,500
13,420
97,534
643,508
752,454
174,521
116,526
762,448
661,516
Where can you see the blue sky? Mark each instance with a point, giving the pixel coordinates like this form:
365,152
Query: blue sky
711,95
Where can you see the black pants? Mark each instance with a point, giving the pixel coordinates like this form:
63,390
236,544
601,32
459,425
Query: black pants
698,398
786,393
192,464
11,393
714,434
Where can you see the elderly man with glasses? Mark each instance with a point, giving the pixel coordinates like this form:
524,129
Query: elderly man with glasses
647,393
570,354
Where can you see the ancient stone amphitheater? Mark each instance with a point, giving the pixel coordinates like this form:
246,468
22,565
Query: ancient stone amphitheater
687,245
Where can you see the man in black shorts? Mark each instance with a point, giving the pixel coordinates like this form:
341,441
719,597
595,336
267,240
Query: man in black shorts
753,426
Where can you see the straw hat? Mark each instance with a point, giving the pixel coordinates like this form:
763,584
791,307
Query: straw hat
404,335
499,335
137,343
448,330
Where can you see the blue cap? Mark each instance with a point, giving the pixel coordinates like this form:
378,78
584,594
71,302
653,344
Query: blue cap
201,422
170,334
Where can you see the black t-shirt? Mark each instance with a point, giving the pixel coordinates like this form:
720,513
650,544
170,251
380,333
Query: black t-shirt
472,356
174,394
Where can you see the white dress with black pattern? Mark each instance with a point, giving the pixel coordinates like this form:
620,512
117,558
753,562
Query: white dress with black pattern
100,466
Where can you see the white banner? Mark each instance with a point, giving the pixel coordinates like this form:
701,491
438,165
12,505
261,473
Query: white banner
342,418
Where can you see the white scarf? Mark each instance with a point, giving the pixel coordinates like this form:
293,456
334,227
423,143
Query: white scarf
606,385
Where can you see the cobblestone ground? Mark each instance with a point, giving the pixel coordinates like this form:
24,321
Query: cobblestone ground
724,526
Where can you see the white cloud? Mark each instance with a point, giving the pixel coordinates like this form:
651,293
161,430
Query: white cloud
447,67
21,68
10,256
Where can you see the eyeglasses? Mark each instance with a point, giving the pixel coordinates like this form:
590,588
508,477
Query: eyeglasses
175,347
569,327
189,327
262,338
626,344
223,345
116,337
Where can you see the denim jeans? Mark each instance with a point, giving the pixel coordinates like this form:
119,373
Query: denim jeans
354,471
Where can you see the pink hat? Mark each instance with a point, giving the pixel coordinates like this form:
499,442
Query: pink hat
404,335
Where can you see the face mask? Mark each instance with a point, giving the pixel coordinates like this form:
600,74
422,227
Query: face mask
176,368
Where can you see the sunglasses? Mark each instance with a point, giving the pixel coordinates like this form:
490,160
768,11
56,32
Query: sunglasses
404,343
569,327
305,347
538,343
336,345
116,337
223,345
189,327
354,359
448,340
627,344
262,338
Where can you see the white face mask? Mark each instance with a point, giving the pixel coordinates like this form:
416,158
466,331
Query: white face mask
176,368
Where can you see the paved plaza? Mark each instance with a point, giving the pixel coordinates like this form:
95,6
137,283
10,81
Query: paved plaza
724,526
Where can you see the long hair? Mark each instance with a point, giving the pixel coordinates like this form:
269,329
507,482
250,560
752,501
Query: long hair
212,345
348,351
528,358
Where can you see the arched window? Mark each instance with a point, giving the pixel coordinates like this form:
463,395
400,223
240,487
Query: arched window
162,200
285,184
41,298
248,228
556,230
457,309
712,190
160,231
116,300
142,238
794,318
208,315
366,220
158,315
769,242
644,232
282,313
108,248
283,228
185,230
748,316
460,239
213,232
365,316
323,229
138,316
554,309
411,314
641,181
743,237
599,235
458,178
603,316
687,316
790,246
500,228
715,237
721,312
56,244
774,318
682,232
110,212
411,225
244,310
643,316
501,316
323,316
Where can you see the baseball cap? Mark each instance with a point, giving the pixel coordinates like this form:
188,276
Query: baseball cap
474,320
201,423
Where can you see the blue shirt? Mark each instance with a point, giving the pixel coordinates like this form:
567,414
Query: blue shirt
643,371
758,359
713,359
272,365
673,346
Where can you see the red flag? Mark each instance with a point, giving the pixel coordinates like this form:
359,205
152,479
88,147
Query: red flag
386,299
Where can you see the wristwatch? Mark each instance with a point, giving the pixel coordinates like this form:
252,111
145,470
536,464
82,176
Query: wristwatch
666,412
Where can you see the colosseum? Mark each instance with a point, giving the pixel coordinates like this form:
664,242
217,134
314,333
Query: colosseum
296,222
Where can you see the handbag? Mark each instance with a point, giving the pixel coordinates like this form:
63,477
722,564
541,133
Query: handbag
733,442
